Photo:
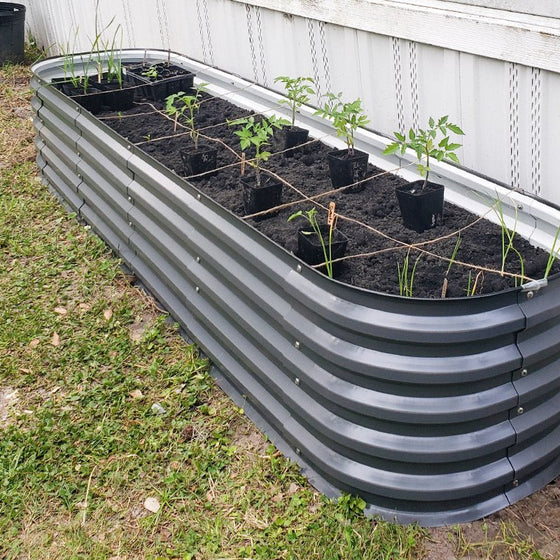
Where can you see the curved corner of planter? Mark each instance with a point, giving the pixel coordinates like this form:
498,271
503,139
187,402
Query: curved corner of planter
433,411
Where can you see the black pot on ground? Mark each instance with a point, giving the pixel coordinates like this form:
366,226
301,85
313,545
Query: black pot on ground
293,138
421,208
161,80
263,197
12,32
346,169
201,160
311,250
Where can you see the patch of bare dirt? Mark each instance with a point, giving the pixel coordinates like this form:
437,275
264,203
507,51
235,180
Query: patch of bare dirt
527,530
8,398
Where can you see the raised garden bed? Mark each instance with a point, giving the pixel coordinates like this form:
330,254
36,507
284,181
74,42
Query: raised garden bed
434,410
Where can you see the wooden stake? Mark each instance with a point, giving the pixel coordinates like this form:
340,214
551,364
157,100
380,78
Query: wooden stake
242,164
331,219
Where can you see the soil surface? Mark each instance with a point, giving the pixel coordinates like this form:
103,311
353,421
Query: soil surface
370,218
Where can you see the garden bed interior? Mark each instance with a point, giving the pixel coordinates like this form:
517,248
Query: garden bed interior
434,410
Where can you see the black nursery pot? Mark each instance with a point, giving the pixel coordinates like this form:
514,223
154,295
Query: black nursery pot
170,79
115,97
90,100
294,136
421,209
346,169
199,161
311,251
267,195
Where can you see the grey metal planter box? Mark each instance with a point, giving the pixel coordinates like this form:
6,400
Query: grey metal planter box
433,411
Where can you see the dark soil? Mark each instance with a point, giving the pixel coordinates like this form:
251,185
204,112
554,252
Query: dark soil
375,205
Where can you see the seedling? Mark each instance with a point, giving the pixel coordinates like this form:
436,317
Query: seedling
185,106
406,278
298,91
346,117
257,133
151,72
311,217
554,253
508,238
426,144
451,262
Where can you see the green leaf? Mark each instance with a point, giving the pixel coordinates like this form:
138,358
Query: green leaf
453,157
455,129
391,149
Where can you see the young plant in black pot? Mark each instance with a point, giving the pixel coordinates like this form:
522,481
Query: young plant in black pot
320,244
260,191
202,158
298,91
421,202
348,166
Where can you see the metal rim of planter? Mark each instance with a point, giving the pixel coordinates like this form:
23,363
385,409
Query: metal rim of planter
436,411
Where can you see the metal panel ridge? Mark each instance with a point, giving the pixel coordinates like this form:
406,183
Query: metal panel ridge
436,411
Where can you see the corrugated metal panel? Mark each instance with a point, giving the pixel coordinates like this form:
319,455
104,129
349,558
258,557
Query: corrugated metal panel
413,404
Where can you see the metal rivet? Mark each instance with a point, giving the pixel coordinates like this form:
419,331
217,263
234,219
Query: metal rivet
530,295
297,450
298,267
129,147
520,410
515,483
296,381
130,224
78,154
129,199
77,107
524,372
197,259
296,344
197,289
198,197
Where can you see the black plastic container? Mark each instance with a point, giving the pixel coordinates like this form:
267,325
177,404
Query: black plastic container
199,161
169,79
294,137
311,250
263,197
421,208
347,169
12,32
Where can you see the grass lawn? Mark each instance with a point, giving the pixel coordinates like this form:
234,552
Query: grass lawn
114,441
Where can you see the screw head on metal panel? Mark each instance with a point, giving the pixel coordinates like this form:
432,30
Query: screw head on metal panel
129,199
515,483
198,259
78,154
297,450
298,267
129,147
524,372
197,289
296,381
77,107
530,295
130,224
296,344
198,197
79,176
520,410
